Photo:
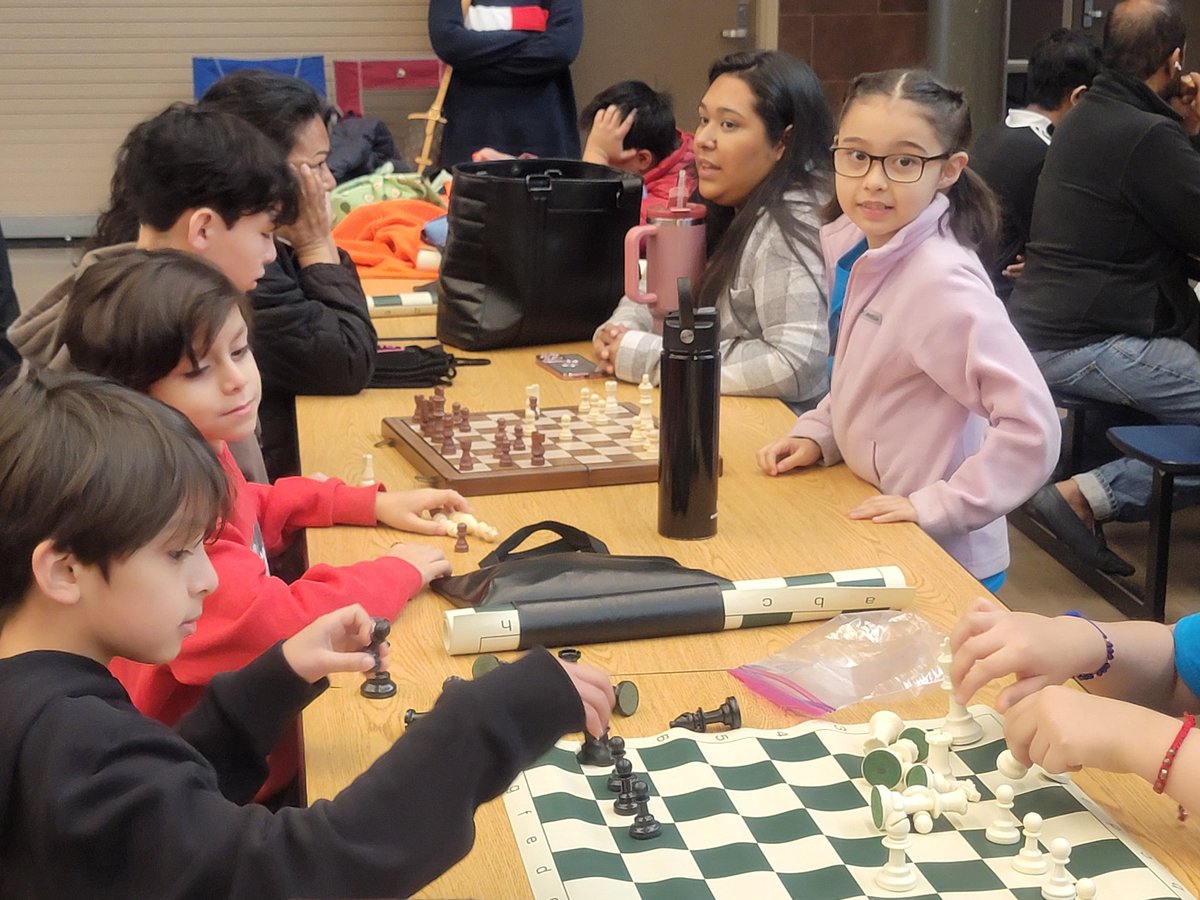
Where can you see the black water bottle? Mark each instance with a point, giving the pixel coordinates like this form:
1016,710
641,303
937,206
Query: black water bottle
689,411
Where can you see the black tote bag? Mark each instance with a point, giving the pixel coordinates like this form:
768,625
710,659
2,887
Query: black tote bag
535,251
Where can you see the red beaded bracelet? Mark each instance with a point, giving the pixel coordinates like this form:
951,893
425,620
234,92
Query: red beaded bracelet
1164,770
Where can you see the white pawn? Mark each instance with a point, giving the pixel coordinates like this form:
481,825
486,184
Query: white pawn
564,433
585,401
898,875
1003,829
1031,860
1060,886
1010,767
368,475
1085,889
883,728
610,404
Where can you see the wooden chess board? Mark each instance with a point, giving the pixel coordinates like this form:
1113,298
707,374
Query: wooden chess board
596,454
785,813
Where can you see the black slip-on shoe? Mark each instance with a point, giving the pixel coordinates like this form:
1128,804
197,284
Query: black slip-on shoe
1051,509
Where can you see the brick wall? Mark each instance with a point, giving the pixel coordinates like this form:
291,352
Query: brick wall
840,38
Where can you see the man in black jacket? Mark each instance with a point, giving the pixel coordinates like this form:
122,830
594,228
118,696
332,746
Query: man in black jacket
1104,302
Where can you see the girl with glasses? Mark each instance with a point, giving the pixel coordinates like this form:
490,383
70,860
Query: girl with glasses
934,398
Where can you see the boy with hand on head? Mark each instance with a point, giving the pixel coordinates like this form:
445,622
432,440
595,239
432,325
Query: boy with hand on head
198,180
170,325
1141,676
631,127
107,509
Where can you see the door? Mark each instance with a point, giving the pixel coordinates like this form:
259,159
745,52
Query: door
1089,16
669,44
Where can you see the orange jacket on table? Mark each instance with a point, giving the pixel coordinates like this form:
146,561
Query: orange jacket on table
384,238
251,610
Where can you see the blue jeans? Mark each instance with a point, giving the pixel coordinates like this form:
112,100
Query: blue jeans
1160,376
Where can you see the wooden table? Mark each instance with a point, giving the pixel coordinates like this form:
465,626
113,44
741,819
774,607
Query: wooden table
768,527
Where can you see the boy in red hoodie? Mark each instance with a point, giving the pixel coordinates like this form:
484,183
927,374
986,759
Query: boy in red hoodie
171,325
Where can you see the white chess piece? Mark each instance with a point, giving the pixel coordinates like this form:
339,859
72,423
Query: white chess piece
1061,885
564,433
1085,889
1031,860
882,730
1011,768
939,752
368,475
585,401
1003,829
898,875
921,775
960,723
610,403
532,391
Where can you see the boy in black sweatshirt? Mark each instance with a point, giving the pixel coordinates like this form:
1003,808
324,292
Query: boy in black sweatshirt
106,498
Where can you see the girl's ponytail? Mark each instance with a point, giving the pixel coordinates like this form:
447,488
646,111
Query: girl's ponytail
975,215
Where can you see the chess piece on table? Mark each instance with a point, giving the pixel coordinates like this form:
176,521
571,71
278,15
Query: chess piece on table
626,698
960,724
585,401
419,408
564,432
380,685
939,752
594,752
467,462
461,545
883,728
611,408
1031,860
464,423
518,436
368,472
503,456
537,454
1085,889
887,765
728,714
1061,885
411,715
887,805
616,746
644,826
1003,829
898,875
921,775
447,448
570,654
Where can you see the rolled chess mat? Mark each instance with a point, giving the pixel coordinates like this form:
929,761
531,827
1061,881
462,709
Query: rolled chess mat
717,606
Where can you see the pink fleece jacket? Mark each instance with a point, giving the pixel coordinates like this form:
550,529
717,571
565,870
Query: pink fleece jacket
251,609
663,178
934,395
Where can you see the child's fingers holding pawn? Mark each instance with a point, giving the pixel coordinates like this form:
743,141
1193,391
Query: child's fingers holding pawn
333,642
595,692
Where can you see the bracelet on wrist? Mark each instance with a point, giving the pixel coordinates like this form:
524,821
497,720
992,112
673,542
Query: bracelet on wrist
1164,769
1108,648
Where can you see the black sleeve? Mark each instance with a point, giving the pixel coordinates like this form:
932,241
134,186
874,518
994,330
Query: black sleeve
104,785
312,331
1164,186
242,716
507,57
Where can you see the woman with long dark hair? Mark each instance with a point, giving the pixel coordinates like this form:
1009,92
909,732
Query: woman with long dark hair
762,162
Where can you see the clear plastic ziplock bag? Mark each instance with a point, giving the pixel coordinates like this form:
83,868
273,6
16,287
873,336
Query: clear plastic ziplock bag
853,657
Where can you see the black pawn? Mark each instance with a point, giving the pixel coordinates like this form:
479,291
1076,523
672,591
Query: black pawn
644,826
626,802
380,685
616,745
411,715
728,714
594,752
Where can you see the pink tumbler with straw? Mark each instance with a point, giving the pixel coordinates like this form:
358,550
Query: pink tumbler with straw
673,237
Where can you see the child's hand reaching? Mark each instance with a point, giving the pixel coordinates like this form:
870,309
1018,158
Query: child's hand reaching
596,693
431,562
884,509
1063,730
605,343
333,643
402,509
990,642
787,454
606,141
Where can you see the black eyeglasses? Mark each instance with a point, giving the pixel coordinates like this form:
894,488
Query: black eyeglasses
901,168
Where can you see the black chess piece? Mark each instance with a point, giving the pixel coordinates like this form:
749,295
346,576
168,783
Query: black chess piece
626,802
645,826
626,698
518,437
616,744
729,714
594,752
411,715
380,685
570,654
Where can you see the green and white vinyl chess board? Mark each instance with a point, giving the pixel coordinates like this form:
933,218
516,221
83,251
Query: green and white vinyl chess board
756,814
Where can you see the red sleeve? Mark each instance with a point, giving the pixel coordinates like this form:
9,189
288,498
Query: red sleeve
251,610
